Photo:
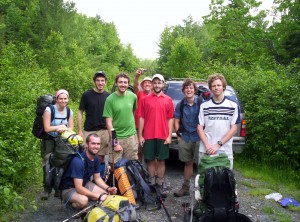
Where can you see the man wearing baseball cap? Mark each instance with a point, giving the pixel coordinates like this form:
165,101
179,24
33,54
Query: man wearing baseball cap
92,103
155,130
141,90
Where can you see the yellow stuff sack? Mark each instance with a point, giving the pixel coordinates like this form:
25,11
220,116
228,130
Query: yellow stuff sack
72,137
114,209
102,214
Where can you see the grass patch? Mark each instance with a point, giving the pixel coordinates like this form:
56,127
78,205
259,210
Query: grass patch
260,192
292,208
275,177
277,216
247,184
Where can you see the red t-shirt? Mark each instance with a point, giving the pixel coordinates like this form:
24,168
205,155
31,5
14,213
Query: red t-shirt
140,96
156,111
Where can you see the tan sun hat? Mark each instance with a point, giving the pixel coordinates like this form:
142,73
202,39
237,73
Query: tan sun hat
146,79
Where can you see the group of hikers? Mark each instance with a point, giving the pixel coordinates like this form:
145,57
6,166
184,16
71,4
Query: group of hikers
143,121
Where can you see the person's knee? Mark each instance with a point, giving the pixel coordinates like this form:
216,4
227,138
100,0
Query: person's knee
83,201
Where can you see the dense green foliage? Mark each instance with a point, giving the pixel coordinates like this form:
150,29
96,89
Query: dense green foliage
259,58
46,45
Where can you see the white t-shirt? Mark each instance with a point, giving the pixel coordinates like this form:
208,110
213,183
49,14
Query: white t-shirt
217,119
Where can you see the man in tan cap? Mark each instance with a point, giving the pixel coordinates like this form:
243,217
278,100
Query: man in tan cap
141,90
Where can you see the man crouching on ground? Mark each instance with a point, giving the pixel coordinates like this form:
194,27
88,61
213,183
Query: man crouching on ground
76,184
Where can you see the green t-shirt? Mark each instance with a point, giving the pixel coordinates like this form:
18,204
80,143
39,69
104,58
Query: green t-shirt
121,109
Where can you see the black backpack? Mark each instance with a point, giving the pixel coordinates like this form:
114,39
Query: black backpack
139,180
42,103
219,190
60,160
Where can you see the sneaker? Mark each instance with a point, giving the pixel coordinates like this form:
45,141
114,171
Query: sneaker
45,195
184,191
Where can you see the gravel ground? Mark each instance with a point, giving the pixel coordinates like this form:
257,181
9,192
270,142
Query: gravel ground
251,206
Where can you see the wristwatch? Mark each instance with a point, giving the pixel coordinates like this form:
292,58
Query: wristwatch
220,143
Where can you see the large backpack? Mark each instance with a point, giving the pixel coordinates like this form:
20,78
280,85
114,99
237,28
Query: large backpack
216,185
65,150
42,103
138,177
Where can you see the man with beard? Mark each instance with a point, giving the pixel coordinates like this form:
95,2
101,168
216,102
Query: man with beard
76,184
92,103
118,111
156,121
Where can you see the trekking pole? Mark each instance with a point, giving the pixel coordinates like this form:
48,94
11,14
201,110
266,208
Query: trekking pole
81,212
167,213
114,141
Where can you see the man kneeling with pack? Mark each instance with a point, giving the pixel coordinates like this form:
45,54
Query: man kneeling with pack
77,189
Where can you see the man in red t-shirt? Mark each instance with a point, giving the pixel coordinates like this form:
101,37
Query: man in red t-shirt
141,90
156,121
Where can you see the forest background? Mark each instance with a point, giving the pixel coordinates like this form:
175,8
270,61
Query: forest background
47,45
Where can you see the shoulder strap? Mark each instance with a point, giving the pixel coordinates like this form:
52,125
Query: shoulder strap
68,112
52,112
181,108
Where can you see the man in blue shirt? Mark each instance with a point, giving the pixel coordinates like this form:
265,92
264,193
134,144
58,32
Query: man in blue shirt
76,184
186,114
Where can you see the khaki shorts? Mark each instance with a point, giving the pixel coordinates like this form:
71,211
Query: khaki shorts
188,151
103,134
68,193
130,149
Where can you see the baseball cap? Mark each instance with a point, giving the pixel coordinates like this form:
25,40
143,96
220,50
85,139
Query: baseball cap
100,73
146,79
159,76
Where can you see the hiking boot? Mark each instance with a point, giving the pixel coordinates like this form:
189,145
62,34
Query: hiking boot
45,195
162,192
57,193
184,191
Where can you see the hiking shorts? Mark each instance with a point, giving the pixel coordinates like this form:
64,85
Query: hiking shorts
130,149
188,151
68,193
103,134
156,149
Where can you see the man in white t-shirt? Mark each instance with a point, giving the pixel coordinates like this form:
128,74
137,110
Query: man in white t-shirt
218,119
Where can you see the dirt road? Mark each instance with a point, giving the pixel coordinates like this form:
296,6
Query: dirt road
252,206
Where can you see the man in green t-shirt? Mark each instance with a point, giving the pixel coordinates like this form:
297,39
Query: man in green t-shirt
119,109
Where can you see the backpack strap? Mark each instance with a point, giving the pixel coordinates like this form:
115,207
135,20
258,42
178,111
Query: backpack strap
52,112
181,109
68,113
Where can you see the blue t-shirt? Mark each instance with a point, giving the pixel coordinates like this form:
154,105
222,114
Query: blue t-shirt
190,119
80,169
